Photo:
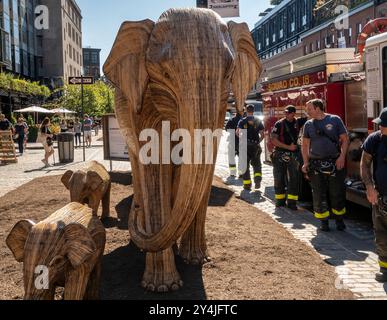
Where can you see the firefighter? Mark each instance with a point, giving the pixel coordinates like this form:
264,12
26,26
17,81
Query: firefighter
286,158
255,134
375,155
324,149
233,148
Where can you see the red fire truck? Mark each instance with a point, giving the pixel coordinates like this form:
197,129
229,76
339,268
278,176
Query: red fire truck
355,91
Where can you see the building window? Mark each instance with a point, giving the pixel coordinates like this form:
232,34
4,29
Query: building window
305,50
311,49
281,33
292,27
350,36
274,37
359,28
304,20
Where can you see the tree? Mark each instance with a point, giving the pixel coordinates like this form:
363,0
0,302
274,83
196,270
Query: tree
98,99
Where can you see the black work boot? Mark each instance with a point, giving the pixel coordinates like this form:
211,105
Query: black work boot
247,187
381,276
280,203
340,224
292,205
257,184
325,226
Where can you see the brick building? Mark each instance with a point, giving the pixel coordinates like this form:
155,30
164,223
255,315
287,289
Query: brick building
278,40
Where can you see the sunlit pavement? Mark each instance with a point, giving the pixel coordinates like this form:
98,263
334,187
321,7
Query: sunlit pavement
352,253
30,166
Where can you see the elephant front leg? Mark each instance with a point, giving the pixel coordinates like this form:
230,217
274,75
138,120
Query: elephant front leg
76,284
193,246
92,291
160,272
106,203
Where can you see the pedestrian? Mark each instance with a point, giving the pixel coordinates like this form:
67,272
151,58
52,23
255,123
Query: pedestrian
21,129
63,126
374,175
70,126
46,138
254,129
87,128
233,143
96,127
324,149
286,158
5,124
78,132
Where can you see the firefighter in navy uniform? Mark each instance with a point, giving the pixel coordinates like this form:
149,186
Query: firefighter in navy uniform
233,148
286,158
255,135
374,175
324,149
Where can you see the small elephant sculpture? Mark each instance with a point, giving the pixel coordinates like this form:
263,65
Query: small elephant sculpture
68,245
178,70
90,186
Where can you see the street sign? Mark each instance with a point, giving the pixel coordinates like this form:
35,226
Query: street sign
81,80
225,8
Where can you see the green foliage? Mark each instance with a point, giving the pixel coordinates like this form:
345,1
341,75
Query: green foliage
98,99
30,121
33,131
10,82
13,119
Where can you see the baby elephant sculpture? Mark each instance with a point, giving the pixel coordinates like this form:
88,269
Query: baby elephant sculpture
179,70
64,250
89,186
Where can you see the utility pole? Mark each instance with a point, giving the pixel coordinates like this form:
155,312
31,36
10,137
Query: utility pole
83,119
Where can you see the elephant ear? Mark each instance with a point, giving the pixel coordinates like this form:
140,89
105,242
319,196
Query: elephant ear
247,66
125,66
79,245
93,180
66,178
17,238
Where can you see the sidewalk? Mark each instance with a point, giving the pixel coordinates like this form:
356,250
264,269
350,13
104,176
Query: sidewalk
352,253
29,166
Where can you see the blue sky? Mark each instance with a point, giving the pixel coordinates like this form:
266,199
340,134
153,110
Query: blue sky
102,18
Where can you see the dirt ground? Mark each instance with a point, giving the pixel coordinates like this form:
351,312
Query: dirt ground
253,258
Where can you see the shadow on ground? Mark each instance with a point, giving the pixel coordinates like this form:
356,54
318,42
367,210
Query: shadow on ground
122,276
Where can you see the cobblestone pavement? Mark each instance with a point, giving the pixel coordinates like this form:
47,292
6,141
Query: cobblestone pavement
29,166
352,253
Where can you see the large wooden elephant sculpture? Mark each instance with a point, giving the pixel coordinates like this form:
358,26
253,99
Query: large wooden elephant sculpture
180,69
69,245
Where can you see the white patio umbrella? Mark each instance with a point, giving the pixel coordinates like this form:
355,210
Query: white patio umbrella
35,110
62,111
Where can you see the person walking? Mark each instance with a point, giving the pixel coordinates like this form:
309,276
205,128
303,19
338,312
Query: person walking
78,132
5,124
46,138
374,175
87,125
286,158
253,127
21,129
324,150
233,143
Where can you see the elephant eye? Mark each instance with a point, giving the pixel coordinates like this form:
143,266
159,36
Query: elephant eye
167,76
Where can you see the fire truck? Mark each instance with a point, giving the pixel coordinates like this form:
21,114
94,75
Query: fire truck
354,88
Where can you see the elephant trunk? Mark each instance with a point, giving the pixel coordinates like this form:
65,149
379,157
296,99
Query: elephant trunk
199,111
